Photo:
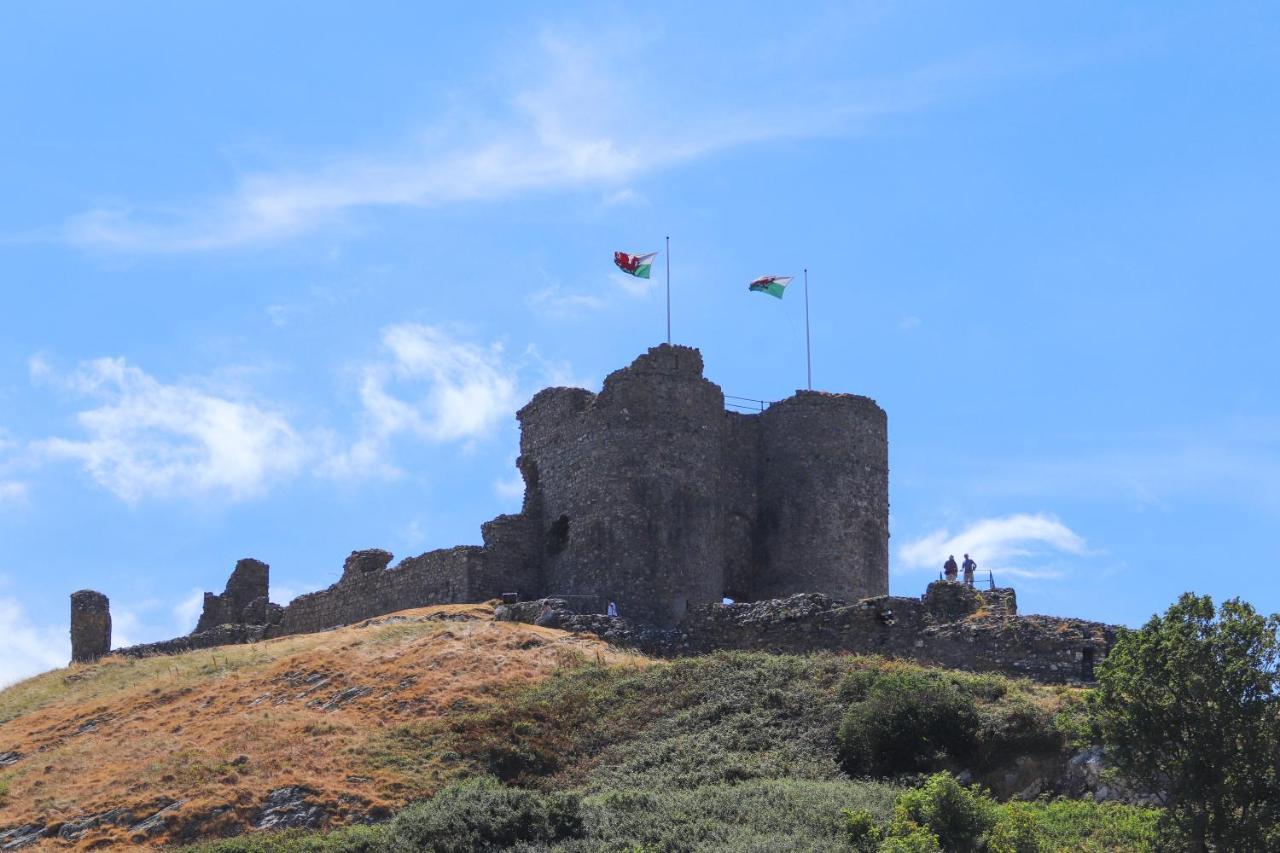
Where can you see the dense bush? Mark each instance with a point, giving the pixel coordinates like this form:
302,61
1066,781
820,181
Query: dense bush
905,719
909,721
484,815
957,816
1016,830
763,815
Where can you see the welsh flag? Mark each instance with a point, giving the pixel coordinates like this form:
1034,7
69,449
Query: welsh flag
773,285
636,265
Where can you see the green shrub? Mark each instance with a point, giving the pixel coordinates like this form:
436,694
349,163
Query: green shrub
958,816
863,832
910,721
1096,827
911,839
483,814
352,839
1016,831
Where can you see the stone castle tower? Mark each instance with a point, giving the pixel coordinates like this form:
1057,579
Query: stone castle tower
652,495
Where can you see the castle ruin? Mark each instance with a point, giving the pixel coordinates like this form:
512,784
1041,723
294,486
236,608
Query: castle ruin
651,495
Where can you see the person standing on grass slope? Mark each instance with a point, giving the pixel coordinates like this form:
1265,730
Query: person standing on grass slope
969,568
950,568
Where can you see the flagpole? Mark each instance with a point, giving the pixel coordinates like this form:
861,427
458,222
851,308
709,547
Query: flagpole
808,357
668,253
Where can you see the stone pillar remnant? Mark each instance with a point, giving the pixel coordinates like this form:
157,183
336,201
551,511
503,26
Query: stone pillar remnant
90,626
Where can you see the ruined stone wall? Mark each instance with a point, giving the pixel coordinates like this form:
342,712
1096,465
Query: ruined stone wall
245,600
957,628
367,589
824,497
628,484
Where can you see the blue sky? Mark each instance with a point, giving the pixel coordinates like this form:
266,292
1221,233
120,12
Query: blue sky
275,278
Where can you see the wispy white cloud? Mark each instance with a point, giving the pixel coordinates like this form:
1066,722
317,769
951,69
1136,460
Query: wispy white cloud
429,385
151,439
569,123
552,301
1020,545
26,648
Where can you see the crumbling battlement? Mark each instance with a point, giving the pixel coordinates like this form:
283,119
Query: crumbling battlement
951,625
245,601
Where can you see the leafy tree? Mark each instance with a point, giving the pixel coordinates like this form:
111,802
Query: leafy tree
1187,705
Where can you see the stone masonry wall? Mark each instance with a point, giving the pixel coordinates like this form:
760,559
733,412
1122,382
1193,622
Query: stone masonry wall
90,626
652,495
629,486
824,497
958,628
244,601
367,589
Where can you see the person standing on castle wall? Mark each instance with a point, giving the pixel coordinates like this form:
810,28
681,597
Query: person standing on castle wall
950,568
969,568
612,609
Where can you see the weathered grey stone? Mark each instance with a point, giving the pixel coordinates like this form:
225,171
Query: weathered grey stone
90,626
362,562
651,495
249,582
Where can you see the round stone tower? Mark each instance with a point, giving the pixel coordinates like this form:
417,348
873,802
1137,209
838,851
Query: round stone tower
824,497
90,626
626,487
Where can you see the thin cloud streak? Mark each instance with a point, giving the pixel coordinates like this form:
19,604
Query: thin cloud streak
567,131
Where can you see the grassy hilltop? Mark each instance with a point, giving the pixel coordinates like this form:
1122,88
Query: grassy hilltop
528,737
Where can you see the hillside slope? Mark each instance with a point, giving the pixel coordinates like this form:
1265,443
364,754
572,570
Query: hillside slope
293,731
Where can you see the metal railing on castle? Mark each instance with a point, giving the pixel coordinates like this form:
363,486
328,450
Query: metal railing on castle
991,580
745,404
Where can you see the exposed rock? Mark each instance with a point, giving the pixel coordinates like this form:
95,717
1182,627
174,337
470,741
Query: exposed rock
74,829
154,824
288,808
21,836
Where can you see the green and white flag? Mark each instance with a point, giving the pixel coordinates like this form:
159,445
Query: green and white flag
774,285
636,265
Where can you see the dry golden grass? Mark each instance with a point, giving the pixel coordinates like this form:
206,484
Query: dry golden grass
219,729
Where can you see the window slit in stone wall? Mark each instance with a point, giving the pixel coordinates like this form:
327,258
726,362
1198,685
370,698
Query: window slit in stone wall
1086,665
558,535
